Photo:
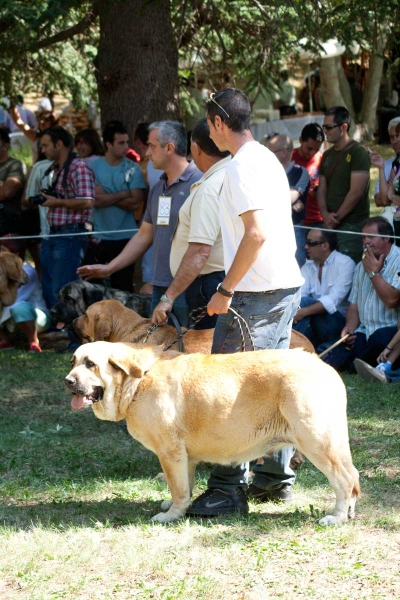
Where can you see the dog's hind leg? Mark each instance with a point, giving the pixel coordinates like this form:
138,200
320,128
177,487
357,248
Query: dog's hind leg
176,468
342,476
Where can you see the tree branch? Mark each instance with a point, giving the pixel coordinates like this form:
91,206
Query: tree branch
68,33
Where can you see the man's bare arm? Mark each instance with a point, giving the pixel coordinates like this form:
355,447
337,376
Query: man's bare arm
10,188
133,201
134,249
192,263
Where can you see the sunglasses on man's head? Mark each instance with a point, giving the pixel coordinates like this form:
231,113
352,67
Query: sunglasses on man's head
312,243
212,99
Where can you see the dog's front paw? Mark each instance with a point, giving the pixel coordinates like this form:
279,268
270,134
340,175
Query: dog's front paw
166,505
165,517
330,520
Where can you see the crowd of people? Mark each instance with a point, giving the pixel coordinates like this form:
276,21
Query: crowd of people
171,196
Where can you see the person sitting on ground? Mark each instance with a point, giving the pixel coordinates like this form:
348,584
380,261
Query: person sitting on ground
388,368
88,145
299,182
328,276
29,313
372,316
308,155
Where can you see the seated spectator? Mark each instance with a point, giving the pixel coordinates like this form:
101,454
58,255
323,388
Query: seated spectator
328,277
374,310
308,155
12,180
88,145
299,183
25,115
28,313
388,368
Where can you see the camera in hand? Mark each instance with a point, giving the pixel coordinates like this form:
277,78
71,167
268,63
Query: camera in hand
39,198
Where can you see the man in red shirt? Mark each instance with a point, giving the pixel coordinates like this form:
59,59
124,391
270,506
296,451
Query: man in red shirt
309,156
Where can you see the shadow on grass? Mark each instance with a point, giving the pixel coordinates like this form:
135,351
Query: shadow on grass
119,513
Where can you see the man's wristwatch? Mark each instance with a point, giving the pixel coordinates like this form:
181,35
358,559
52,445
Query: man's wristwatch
164,298
372,274
224,292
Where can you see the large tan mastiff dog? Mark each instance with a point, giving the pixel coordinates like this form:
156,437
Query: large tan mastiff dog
220,408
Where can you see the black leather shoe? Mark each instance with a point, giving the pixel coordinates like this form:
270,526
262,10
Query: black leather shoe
214,502
281,494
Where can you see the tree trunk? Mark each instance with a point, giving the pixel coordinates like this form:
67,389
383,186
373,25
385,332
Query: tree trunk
371,92
330,83
345,88
137,62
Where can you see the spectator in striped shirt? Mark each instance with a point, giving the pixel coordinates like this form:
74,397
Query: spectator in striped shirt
374,310
70,201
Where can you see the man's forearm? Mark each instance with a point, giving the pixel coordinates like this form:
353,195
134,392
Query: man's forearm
104,199
314,309
134,249
352,318
71,203
192,263
386,292
129,204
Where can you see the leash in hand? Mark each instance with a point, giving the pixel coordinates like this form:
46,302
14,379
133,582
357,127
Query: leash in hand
197,314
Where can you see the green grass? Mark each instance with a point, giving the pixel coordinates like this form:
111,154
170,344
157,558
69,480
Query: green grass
77,495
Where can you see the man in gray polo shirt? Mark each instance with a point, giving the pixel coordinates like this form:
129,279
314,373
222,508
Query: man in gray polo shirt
167,149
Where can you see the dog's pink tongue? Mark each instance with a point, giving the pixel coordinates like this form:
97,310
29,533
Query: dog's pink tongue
77,402
60,325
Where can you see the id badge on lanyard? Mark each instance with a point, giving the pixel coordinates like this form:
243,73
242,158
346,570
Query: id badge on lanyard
164,210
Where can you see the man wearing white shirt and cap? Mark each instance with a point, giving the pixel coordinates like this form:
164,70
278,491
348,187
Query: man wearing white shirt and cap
328,277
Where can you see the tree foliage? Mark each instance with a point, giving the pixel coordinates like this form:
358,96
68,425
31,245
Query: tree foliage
53,43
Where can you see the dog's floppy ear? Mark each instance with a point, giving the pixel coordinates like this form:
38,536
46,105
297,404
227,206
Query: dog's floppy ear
127,364
14,269
101,327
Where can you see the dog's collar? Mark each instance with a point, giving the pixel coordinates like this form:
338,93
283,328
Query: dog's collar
149,332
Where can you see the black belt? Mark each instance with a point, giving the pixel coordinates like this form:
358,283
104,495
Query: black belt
68,227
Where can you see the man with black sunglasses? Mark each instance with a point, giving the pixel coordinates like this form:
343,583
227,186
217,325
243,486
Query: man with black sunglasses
344,183
328,276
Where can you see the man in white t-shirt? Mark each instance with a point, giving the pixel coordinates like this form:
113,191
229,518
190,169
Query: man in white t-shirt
262,283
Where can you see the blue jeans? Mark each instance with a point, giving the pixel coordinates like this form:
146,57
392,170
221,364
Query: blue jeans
180,308
199,293
320,328
60,258
342,357
269,316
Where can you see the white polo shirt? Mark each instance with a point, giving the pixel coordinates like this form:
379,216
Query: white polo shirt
256,180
